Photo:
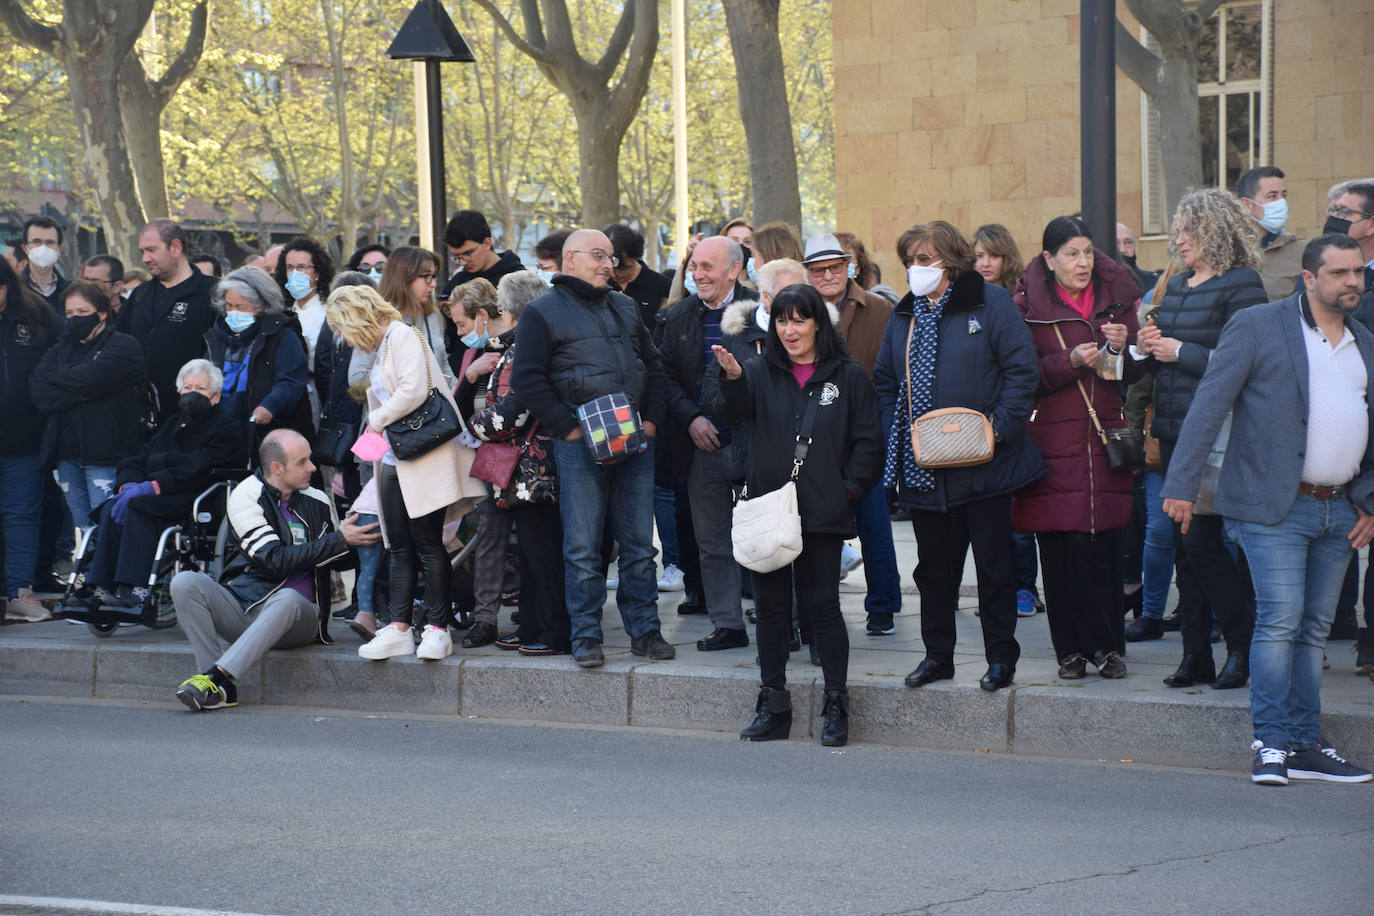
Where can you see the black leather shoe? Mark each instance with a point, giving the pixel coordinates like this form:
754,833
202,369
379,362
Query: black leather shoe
723,639
1193,670
1235,673
587,653
815,654
998,676
795,644
929,670
652,645
480,633
1143,628
1109,665
1172,622
751,615
835,712
773,719
692,604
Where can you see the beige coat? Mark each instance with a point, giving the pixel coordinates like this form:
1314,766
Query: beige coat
1282,265
439,478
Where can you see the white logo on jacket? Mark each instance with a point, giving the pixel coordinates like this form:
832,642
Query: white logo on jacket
830,393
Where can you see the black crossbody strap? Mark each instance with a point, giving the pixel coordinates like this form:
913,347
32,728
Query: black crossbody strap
808,423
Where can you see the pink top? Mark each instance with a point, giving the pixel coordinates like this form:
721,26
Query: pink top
1082,302
802,372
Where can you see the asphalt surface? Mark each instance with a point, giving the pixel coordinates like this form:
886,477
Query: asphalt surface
263,810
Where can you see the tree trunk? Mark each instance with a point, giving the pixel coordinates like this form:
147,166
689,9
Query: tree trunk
91,79
753,28
598,149
143,134
1180,143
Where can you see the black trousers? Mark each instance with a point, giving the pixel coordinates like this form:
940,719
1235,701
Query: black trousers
1225,582
1346,618
123,553
814,577
942,541
416,544
1082,576
539,542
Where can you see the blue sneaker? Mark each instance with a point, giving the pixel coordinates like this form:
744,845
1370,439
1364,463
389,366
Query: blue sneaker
1025,603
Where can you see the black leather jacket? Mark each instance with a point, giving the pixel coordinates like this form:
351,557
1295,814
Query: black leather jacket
265,557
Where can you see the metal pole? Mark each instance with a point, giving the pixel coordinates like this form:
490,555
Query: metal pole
438,202
426,219
680,124
1097,141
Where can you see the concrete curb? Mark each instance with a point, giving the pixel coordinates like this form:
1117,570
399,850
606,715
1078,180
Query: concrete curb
1089,720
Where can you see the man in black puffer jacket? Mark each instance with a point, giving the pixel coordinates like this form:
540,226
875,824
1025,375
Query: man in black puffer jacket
275,591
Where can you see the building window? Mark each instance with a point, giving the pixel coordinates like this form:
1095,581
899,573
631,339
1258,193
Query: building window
1235,107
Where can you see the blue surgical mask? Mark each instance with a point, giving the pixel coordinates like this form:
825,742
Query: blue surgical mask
239,321
545,275
850,272
1275,216
298,285
474,341
376,274
749,269
689,283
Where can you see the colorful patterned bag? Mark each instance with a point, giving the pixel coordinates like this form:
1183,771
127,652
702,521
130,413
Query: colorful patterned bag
612,428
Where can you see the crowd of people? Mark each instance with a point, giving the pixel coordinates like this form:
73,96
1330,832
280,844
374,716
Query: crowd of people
504,434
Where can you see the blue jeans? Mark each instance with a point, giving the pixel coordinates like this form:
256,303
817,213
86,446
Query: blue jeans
1297,566
665,516
1023,556
21,509
1157,566
880,556
85,488
369,558
587,494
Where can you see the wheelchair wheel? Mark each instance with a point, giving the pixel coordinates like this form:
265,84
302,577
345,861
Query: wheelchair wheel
102,629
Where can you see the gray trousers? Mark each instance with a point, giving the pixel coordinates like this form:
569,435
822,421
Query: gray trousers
222,633
489,560
709,490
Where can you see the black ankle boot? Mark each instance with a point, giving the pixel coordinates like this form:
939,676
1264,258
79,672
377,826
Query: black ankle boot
774,719
835,712
1234,673
1194,669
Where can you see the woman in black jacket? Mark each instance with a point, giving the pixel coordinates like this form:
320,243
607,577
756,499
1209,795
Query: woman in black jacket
804,362
1216,246
961,343
88,386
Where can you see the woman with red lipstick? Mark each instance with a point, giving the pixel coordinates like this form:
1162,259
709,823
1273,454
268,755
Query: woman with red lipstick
1215,245
1081,308
804,369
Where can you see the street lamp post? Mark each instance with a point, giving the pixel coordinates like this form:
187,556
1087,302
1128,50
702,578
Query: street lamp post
1097,121
429,36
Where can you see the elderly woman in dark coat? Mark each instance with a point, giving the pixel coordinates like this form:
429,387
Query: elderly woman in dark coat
961,343
1081,308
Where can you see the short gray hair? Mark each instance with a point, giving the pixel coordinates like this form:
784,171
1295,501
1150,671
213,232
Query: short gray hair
201,367
780,269
517,290
253,284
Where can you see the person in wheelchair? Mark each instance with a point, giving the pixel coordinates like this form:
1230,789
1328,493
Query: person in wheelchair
155,488
275,591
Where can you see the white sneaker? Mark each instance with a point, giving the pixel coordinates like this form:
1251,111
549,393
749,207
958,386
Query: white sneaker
26,608
850,560
389,642
435,644
671,580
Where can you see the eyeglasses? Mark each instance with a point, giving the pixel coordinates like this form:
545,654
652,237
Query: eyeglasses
466,254
832,269
1349,213
303,268
598,256
375,265
429,278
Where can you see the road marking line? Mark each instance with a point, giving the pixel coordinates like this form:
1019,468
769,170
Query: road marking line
109,906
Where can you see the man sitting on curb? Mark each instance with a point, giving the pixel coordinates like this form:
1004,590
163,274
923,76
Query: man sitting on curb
276,591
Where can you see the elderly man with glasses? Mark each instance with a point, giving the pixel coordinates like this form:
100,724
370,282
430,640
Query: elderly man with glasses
580,343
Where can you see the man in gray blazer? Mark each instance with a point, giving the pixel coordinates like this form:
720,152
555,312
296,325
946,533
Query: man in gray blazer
1296,490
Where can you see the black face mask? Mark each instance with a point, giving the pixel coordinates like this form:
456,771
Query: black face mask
79,327
194,404
1334,225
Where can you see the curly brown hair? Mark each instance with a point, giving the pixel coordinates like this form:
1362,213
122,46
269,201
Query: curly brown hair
1226,236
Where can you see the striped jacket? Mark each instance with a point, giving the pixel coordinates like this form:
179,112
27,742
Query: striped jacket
263,556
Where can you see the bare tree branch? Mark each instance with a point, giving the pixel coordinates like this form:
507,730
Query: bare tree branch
46,38
1136,61
620,39
1207,8
538,52
185,63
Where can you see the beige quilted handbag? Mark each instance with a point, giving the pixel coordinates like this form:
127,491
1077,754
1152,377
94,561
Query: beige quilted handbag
951,437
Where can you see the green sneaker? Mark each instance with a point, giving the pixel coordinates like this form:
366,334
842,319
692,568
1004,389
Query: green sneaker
199,693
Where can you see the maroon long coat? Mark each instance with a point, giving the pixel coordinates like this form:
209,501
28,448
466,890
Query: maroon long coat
1079,493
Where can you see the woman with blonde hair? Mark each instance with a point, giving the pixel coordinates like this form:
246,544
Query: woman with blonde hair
1215,245
415,496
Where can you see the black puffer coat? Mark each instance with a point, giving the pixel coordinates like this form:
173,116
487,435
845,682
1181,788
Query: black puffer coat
90,392
1195,315
180,457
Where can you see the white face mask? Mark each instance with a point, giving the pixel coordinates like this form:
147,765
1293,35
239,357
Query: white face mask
923,280
1275,215
43,257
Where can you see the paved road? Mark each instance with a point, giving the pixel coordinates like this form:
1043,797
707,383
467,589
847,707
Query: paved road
283,811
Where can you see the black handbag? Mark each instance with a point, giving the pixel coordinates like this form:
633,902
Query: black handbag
332,443
428,426
1126,446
